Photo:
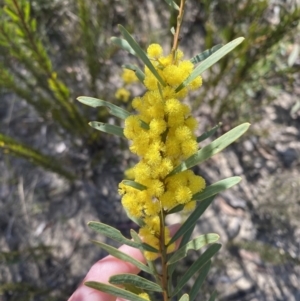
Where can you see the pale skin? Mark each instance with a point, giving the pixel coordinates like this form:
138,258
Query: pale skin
103,269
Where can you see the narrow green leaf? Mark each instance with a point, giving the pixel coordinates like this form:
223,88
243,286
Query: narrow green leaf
133,289
134,184
209,133
113,290
135,280
172,4
113,109
138,72
211,149
149,248
11,13
120,255
207,255
112,233
140,53
192,219
205,54
213,296
144,125
185,239
108,128
135,236
160,90
33,24
211,60
122,44
195,244
27,11
176,209
188,227
186,236
184,297
20,33
216,188
199,280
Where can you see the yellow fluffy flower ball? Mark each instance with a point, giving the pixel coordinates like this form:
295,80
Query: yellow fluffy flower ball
129,76
154,51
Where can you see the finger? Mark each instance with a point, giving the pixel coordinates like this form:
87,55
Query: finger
102,270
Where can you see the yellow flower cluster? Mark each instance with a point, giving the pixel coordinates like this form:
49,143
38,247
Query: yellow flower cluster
162,135
173,71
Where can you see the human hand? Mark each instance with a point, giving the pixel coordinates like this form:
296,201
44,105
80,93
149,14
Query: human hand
102,270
